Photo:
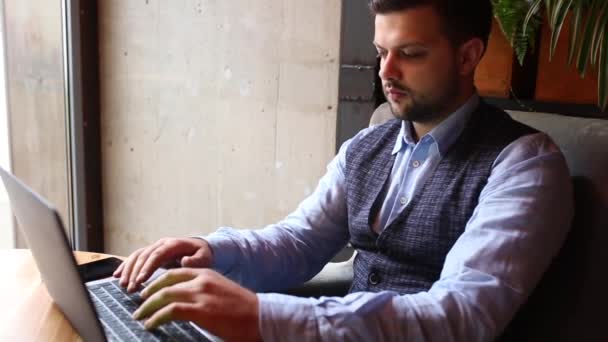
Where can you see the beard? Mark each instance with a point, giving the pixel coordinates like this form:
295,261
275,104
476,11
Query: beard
422,107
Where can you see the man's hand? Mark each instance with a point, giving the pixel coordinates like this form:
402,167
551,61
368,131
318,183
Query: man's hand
142,263
204,297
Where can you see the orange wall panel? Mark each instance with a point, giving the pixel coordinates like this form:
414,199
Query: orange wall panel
494,73
559,82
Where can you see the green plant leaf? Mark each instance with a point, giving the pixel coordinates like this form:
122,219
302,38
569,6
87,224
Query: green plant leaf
518,23
584,50
587,40
596,45
548,5
558,17
602,90
598,32
552,12
575,30
533,12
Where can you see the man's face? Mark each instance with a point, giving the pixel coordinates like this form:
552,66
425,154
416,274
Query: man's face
418,66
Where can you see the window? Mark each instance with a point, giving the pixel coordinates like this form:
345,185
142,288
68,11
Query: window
6,218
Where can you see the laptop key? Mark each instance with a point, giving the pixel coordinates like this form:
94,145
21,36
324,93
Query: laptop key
174,330
115,307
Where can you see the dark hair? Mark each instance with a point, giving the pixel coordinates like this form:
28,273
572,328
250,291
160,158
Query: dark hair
462,19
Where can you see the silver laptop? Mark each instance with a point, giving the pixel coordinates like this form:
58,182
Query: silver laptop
99,310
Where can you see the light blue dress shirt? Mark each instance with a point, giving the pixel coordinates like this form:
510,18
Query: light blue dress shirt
518,226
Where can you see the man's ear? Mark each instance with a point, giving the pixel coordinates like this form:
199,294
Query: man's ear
470,54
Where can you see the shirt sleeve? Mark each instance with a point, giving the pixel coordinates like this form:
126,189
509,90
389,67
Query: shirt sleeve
519,225
292,251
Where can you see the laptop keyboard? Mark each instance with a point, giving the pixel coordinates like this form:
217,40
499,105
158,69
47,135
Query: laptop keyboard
115,306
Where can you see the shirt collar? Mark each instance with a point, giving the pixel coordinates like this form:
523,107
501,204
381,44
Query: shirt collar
446,133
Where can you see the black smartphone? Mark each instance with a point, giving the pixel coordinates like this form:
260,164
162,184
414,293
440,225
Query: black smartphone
98,269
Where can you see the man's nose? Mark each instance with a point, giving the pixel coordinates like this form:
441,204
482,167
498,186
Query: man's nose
389,68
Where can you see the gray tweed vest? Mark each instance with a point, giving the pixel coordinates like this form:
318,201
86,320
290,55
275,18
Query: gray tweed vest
407,257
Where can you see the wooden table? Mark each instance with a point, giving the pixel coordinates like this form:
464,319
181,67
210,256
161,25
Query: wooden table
28,312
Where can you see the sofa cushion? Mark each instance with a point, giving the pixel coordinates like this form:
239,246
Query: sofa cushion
569,302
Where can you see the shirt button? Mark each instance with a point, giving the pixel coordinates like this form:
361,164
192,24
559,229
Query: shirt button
403,201
373,278
415,163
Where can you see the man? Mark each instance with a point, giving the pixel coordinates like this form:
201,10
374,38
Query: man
455,211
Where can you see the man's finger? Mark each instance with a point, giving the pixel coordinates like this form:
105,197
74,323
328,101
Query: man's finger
171,312
133,284
128,265
118,270
168,279
157,258
135,278
179,292
195,260
154,303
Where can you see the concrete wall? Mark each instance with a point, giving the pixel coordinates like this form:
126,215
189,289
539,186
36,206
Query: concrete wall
213,112
36,98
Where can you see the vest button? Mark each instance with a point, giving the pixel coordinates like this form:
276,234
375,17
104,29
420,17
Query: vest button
373,278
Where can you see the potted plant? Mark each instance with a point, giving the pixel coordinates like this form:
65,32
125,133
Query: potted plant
521,19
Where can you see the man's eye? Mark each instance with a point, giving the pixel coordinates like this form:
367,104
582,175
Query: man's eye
381,54
412,54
